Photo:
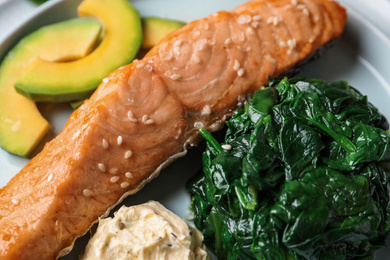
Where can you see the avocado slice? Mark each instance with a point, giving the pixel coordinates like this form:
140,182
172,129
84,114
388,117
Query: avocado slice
21,124
76,104
76,80
155,28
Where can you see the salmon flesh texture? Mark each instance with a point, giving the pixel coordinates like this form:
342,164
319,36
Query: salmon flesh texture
146,114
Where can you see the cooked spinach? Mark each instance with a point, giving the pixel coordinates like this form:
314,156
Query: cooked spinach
38,2
304,178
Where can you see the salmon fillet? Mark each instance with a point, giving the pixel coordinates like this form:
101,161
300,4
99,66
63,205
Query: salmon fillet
145,115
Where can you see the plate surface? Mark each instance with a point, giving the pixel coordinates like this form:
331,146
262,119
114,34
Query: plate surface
361,57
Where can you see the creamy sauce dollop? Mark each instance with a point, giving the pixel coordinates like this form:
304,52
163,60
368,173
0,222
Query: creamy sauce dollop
146,231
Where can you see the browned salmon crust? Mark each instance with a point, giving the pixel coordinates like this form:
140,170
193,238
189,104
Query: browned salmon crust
146,114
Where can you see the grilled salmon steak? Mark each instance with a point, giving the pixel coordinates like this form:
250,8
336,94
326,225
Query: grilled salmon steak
146,114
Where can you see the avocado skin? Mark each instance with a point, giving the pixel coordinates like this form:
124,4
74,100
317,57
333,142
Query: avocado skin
21,125
153,29
76,80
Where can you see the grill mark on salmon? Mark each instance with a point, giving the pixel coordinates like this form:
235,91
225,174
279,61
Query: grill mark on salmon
146,114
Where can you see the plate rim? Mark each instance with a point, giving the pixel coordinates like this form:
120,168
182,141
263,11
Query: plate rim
17,32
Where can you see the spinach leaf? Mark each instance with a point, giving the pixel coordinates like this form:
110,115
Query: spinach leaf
38,2
304,178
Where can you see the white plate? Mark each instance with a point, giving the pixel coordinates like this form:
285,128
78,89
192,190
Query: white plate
362,57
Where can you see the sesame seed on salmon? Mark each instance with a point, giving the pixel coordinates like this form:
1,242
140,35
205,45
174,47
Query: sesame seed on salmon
145,115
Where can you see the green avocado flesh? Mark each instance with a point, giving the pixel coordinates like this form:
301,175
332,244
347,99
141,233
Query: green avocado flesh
76,80
21,124
155,28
